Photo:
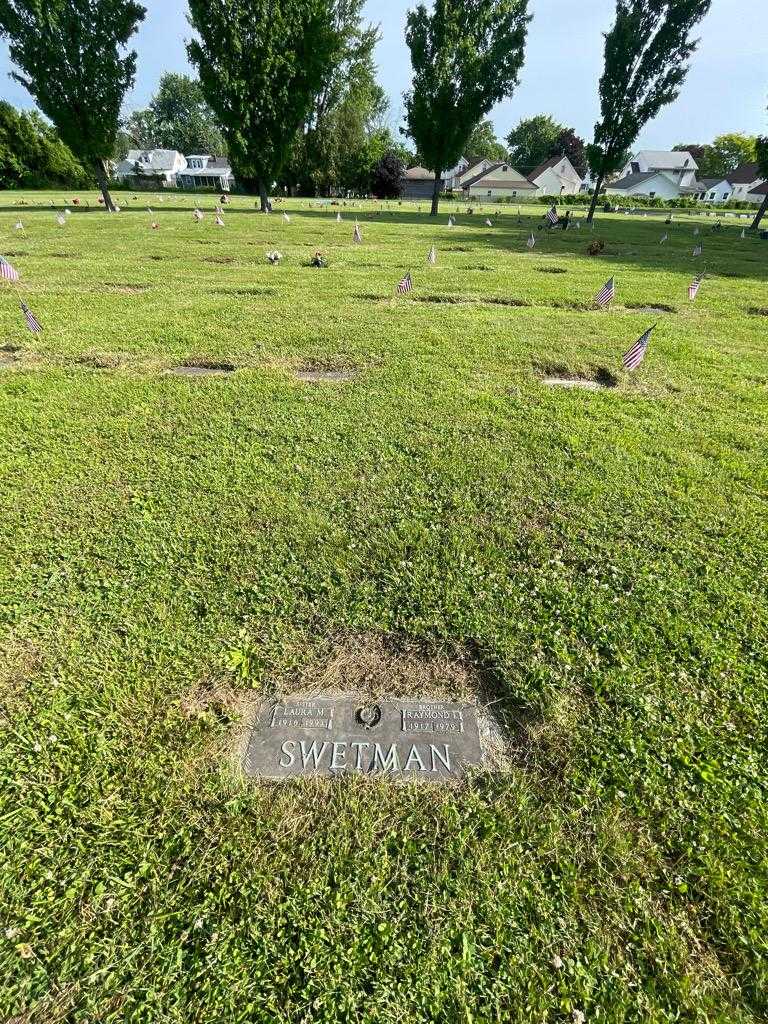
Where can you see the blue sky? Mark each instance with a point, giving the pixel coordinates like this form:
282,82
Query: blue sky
726,90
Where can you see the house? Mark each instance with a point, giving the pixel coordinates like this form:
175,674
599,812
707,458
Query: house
758,194
453,177
151,168
714,190
204,171
475,165
556,177
419,183
744,180
680,168
654,184
499,181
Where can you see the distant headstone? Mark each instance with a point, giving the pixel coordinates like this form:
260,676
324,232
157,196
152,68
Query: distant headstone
323,736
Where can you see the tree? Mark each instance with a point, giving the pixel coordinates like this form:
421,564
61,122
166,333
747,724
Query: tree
388,177
646,62
707,160
33,156
483,142
343,135
531,143
177,118
761,152
261,63
734,149
76,75
569,144
466,57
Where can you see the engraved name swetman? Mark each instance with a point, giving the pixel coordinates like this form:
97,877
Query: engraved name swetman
330,737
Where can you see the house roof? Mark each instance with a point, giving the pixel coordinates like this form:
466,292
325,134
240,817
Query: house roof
745,174
667,160
759,190
482,174
543,167
712,182
486,181
552,162
419,174
633,180
155,159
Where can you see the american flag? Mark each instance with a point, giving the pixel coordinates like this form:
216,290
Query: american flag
197,215
61,220
286,218
664,239
606,294
406,285
338,218
552,216
697,251
155,225
358,235
488,222
32,322
743,232
693,287
450,222
7,271
20,227
636,354
531,241
432,257
219,221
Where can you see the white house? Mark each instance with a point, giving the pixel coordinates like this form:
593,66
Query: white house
500,181
714,190
556,177
745,180
654,184
680,168
474,167
758,194
453,176
205,171
155,167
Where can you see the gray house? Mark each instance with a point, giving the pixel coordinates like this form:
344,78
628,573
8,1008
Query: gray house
204,171
419,183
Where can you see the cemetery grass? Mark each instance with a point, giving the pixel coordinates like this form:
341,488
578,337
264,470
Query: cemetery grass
172,547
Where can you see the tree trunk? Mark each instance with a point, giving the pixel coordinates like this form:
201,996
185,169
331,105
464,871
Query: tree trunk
436,196
759,215
263,196
102,180
595,197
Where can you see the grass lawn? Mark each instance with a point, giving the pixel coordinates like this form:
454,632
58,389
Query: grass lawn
593,561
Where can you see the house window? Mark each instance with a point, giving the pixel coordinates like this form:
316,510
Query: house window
713,195
652,195
635,167
514,193
725,195
490,191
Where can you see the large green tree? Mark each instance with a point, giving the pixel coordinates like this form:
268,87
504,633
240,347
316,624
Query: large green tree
569,143
261,63
761,152
531,142
33,156
483,142
343,135
646,62
71,58
466,57
177,117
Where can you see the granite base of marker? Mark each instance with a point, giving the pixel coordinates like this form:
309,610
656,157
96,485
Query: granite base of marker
431,741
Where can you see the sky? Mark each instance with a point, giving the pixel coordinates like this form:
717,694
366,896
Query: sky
726,90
